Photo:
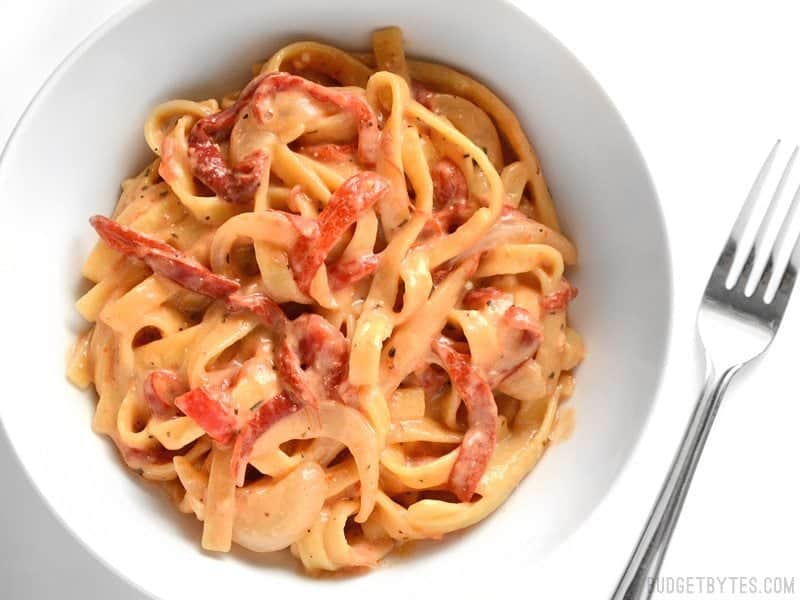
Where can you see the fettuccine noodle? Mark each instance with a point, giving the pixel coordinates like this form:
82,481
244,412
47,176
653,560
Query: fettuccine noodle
330,315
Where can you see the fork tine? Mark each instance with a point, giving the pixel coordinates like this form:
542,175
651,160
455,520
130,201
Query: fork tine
766,277
763,247
777,258
737,233
788,274
788,279
744,275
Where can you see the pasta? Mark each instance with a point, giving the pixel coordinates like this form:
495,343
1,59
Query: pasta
330,315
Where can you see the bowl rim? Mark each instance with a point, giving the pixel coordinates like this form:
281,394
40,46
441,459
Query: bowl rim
99,31
134,6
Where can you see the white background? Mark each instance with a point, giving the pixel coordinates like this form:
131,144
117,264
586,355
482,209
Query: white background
706,88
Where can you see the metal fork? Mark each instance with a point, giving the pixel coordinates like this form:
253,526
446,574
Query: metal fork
736,323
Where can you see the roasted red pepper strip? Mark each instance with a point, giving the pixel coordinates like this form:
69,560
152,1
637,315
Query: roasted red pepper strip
344,273
441,272
315,343
329,153
347,203
518,332
312,341
163,259
480,439
449,182
517,317
557,301
448,218
368,132
432,379
292,376
209,413
261,306
309,340
287,361
237,183
268,413
520,347
139,459
160,388
478,298
326,352
422,94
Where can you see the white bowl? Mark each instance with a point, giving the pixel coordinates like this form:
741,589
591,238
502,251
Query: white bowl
83,134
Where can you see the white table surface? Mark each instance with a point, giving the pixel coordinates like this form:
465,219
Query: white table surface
706,88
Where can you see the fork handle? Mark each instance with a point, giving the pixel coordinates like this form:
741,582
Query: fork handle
639,577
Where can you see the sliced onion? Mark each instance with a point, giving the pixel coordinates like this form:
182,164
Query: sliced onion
272,515
339,422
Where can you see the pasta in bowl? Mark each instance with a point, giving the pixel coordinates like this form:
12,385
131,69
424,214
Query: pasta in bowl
331,314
